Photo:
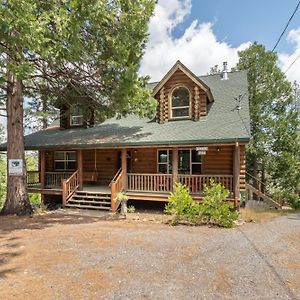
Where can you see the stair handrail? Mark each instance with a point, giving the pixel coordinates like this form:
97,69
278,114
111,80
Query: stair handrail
256,179
262,195
117,185
69,186
116,176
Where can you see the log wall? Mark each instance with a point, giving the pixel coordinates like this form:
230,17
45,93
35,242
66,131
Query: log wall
144,160
198,100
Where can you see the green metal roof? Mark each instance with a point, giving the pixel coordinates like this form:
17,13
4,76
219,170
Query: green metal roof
224,123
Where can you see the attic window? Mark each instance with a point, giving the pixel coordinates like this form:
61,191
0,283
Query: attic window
180,103
76,115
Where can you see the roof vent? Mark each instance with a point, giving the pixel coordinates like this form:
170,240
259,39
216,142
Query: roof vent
225,71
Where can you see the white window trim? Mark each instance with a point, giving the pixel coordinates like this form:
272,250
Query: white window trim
171,108
73,116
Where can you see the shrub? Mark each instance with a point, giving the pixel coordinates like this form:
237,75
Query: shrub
131,209
181,205
213,210
214,207
293,199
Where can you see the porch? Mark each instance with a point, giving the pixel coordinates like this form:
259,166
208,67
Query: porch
152,187
143,173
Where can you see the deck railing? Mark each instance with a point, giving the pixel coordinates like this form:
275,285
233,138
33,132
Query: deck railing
117,185
196,182
163,182
149,182
69,186
33,178
54,179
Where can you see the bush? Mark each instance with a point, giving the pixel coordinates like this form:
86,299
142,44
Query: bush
182,206
293,199
213,210
214,207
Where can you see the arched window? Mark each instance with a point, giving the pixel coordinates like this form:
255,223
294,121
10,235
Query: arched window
180,103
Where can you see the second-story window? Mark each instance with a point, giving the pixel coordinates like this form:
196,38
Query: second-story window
180,103
76,115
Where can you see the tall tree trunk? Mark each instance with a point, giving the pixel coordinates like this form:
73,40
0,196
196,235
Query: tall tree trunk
44,109
263,179
17,201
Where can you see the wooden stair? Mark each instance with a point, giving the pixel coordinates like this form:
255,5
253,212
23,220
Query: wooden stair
90,200
260,194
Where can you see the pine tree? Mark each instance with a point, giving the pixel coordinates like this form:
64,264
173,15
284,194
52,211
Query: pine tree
91,46
274,148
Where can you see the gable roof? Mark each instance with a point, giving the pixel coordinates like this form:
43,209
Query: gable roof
179,66
223,124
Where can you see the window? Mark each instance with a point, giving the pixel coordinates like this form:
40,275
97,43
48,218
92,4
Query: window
189,162
65,160
164,161
180,103
76,115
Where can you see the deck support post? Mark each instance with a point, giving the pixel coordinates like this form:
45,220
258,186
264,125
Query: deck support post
80,168
236,175
124,166
175,165
42,168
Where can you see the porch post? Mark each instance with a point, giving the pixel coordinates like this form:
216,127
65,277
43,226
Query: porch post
124,166
42,154
175,164
80,168
236,174
42,169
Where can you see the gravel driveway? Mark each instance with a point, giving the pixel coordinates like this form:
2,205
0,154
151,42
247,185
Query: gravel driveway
68,257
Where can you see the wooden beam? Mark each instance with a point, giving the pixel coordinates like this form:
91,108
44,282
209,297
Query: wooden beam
124,166
175,164
42,159
80,168
236,174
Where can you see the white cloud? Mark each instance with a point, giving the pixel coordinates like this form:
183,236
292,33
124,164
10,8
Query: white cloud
285,59
198,48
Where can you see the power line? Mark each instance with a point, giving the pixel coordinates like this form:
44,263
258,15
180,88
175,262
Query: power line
291,64
286,26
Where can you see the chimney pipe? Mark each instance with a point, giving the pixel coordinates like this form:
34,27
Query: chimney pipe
225,71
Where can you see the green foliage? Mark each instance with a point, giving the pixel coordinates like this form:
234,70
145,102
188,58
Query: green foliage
213,210
214,207
131,209
88,50
181,205
122,197
274,147
35,199
293,199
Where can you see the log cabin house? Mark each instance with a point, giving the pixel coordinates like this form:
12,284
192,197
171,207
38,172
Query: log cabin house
199,133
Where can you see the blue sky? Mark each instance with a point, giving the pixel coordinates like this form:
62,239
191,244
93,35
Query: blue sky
240,21
203,33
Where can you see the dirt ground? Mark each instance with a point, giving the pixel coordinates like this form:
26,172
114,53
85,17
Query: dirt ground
59,256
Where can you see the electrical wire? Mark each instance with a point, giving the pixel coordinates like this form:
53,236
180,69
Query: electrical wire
286,26
291,64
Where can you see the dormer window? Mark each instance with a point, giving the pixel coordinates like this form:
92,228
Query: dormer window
76,115
180,103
